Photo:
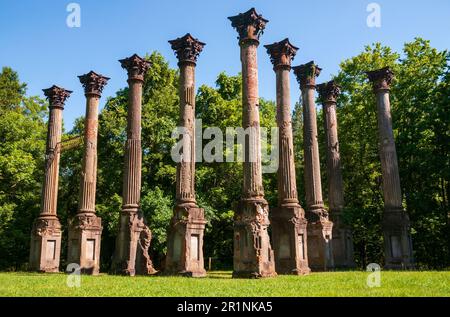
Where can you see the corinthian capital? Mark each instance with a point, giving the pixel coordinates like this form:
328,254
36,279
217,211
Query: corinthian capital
281,53
250,25
136,67
329,92
93,83
56,96
187,48
381,79
306,74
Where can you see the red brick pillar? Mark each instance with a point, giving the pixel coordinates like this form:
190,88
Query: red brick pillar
45,247
185,238
253,254
288,219
396,225
85,229
319,226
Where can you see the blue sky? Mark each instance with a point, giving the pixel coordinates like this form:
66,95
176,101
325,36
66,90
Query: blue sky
36,42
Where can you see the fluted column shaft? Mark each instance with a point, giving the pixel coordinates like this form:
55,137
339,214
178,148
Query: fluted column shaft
52,157
89,169
388,154
287,186
185,189
133,149
313,184
253,185
335,183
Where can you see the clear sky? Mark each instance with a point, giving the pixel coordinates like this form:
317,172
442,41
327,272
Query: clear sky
36,41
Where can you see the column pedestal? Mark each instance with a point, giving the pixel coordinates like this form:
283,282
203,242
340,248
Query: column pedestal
289,238
185,256
320,248
84,242
45,244
253,255
397,240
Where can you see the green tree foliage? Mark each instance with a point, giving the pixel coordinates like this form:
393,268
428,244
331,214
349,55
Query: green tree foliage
22,139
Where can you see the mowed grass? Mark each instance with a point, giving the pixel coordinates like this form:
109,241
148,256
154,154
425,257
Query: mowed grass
220,283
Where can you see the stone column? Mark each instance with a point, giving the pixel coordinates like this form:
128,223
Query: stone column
396,225
319,226
45,246
288,219
134,238
185,238
342,235
253,254
85,229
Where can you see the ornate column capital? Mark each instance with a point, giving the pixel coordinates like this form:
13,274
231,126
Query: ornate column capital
136,67
250,25
306,74
187,49
281,54
93,83
57,96
381,78
329,92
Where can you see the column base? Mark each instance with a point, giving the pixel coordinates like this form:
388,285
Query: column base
320,252
85,234
253,254
397,240
343,253
185,242
45,246
131,256
289,237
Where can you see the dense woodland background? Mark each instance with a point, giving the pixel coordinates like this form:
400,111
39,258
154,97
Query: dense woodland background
421,119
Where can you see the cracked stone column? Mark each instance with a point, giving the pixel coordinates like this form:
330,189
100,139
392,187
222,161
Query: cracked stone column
319,226
85,229
133,241
45,246
185,238
253,254
288,220
396,225
342,235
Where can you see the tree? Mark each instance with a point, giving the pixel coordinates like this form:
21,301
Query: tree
22,138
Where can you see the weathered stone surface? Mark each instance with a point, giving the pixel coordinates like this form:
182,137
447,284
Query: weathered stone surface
342,236
396,225
185,237
45,246
85,228
131,255
253,254
319,226
84,242
288,219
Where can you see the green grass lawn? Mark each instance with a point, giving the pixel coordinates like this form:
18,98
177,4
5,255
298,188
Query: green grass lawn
221,284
